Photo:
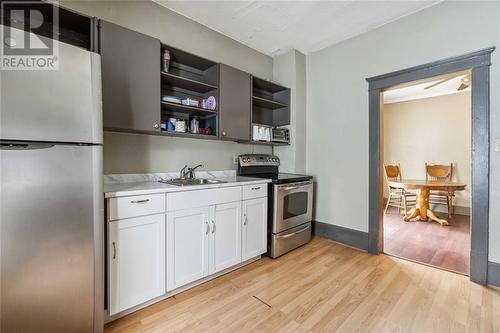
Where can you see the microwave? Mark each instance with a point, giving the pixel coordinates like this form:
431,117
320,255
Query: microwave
280,135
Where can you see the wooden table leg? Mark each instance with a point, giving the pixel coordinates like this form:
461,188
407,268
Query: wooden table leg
414,212
435,218
422,210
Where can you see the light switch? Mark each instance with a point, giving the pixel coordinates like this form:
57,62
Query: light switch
497,145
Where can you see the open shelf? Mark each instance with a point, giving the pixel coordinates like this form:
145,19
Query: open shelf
271,87
270,103
267,103
189,135
183,58
265,143
186,83
192,110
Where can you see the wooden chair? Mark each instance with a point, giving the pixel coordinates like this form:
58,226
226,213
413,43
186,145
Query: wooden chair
398,197
443,173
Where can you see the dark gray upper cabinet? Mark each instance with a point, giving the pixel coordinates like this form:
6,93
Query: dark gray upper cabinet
235,103
271,103
130,64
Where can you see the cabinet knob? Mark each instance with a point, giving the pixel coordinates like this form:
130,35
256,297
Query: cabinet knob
156,126
224,133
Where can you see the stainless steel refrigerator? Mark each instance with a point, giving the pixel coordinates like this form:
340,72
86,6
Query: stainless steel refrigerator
51,199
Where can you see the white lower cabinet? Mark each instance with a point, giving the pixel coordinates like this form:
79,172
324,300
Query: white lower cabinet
254,232
202,233
136,259
202,241
225,242
187,246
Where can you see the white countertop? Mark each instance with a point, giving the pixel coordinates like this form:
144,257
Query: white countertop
151,187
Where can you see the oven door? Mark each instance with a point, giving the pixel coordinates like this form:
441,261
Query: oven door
292,205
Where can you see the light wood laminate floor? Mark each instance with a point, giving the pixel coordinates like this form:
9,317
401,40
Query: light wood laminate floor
428,242
325,286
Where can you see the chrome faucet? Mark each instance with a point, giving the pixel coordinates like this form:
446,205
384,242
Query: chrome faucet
183,172
190,171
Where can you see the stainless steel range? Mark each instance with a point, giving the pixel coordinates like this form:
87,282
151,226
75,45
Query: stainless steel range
290,202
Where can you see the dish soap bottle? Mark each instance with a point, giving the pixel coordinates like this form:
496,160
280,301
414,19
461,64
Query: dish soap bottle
195,125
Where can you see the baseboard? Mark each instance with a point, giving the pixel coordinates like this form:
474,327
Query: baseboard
494,274
459,210
351,237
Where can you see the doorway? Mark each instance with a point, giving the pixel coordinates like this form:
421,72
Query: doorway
426,144
479,64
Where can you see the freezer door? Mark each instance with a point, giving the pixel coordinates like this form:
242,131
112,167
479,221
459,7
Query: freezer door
62,105
51,224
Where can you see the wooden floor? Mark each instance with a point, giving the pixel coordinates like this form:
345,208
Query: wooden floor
429,242
325,286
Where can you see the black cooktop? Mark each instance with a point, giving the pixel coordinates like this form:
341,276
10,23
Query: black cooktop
282,178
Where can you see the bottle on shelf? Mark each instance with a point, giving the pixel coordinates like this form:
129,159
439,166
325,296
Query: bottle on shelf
166,60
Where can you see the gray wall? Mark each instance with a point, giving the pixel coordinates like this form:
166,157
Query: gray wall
290,70
124,153
337,99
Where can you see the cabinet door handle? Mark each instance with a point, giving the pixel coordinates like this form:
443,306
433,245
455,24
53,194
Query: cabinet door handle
214,228
139,201
114,250
245,219
208,228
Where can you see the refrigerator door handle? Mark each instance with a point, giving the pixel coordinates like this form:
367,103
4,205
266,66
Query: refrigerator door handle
24,146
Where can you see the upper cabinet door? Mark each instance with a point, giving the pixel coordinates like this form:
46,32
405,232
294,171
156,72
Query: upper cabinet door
235,103
130,79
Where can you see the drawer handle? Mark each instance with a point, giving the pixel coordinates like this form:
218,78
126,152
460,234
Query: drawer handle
139,201
114,250
208,228
214,228
295,233
255,188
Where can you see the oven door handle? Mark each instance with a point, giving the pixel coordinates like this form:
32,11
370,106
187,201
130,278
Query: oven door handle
289,188
294,233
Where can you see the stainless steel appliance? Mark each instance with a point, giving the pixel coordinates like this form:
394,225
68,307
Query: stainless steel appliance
280,135
51,197
290,202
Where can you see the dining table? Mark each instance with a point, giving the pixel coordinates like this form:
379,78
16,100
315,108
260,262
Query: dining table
424,189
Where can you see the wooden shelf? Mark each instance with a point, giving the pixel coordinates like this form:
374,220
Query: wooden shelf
174,107
178,56
267,103
265,85
185,83
190,135
265,143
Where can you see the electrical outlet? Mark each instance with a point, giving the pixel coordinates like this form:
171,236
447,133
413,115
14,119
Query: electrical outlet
497,145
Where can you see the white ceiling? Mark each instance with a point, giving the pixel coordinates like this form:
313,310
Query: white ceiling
417,91
274,27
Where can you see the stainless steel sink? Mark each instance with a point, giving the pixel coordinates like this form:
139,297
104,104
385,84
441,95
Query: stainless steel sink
191,181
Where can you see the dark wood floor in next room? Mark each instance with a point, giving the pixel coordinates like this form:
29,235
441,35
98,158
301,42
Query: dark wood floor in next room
428,242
